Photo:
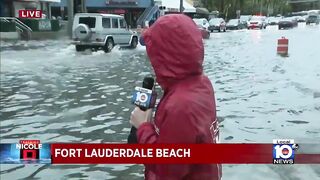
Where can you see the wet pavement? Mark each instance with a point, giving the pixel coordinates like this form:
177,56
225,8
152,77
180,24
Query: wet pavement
52,93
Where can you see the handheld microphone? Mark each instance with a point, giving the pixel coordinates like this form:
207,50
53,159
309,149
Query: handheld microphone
144,98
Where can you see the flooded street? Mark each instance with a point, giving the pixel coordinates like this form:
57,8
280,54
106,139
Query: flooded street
52,93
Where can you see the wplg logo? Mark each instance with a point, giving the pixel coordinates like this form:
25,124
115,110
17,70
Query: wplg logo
142,97
283,151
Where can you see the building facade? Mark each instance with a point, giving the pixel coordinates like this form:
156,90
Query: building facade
131,9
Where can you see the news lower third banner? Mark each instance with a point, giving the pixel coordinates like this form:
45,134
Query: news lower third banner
280,152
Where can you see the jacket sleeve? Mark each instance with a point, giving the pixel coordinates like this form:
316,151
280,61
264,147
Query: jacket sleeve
177,128
146,134
141,40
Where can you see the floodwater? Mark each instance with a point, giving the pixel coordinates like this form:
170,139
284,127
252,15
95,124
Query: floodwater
52,93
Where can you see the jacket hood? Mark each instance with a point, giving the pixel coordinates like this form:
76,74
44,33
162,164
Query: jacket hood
175,48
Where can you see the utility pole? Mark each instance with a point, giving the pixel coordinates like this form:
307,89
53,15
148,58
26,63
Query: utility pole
181,6
260,7
227,11
83,6
222,8
70,17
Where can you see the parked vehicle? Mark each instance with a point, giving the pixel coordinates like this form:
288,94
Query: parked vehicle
244,20
202,22
205,33
101,31
203,26
301,19
257,22
217,24
288,22
313,18
273,20
234,24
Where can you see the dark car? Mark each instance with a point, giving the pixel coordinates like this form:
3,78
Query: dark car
234,24
217,24
313,19
286,23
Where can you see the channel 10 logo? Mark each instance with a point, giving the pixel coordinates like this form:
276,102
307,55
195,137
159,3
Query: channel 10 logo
142,97
283,151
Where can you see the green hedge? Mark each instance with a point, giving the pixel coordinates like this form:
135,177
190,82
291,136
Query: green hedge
7,26
41,25
55,25
32,23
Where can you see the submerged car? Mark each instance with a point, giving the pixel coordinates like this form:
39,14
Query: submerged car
313,18
273,20
205,33
301,19
202,22
257,22
101,31
288,22
234,24
203,26
217,24
244,20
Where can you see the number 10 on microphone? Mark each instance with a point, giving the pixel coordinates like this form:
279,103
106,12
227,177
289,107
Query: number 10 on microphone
143,98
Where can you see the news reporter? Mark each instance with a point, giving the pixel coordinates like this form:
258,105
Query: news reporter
187,111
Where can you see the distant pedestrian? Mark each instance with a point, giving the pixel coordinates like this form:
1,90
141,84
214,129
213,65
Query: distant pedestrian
150,23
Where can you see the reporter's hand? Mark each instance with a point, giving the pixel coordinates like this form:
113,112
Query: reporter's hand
139,117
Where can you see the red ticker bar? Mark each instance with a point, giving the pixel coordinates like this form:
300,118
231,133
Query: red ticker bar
307,159
161,153
169,154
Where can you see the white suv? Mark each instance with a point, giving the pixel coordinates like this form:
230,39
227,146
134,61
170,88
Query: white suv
101,31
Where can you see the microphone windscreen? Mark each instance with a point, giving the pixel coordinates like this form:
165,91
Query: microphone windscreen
148,83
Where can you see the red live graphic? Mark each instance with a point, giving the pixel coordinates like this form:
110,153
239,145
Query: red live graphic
30,13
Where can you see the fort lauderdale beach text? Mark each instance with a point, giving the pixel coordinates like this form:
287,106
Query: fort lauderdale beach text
105,152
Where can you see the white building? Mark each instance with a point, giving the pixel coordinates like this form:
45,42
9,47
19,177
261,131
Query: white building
173,6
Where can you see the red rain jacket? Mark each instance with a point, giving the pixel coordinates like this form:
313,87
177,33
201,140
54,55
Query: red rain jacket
187,110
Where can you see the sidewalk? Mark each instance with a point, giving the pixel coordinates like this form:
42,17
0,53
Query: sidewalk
9,36
36,35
